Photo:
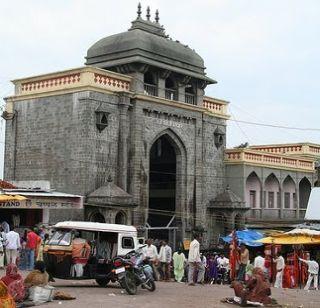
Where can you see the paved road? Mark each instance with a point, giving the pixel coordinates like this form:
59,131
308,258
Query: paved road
167,295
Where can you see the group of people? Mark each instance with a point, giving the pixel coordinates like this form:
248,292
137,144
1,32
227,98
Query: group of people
245,267
22,250
196,268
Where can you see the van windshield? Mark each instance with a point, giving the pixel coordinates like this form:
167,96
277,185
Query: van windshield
62,238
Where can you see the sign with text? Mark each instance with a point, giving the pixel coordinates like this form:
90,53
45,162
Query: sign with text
44,203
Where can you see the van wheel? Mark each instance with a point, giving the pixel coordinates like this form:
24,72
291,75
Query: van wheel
103,282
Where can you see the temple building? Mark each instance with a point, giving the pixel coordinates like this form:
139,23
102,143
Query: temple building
132,131
274,181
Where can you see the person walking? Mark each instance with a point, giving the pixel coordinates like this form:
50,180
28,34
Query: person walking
165,258
194,261
12,246
31,246
179,260
244,259
280,264
313,270
150,252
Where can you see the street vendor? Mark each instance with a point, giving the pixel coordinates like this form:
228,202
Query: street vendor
256,290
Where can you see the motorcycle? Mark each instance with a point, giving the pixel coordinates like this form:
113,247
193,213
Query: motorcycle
133,270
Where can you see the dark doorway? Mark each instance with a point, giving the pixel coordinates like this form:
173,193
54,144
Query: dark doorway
97,217
162,187
121,218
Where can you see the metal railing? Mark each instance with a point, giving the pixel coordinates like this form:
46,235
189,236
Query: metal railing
150,89
171,94
190,99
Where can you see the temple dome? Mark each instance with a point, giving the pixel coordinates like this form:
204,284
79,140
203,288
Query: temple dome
146,43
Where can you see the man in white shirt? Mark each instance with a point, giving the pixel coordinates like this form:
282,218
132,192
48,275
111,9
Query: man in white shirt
150,252
12,246
194,261
222,261
280,264
259,262
313,269
165,257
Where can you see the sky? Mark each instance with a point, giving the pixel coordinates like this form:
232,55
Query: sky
263,53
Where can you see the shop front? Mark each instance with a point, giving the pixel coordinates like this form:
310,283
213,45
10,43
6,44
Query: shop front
37,207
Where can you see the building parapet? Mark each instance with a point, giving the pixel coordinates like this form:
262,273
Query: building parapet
216,106
301,149
93,78
271,160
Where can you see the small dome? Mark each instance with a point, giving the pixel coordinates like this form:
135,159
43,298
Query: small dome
146,42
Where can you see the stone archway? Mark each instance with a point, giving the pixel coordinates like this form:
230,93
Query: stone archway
121,218
166,196
97,217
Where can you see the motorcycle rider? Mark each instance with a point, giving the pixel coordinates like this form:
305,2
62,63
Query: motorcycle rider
150,252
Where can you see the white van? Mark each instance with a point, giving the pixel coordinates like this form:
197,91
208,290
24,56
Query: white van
99,243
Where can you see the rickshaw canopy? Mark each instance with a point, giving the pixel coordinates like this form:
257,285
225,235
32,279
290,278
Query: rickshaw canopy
95,227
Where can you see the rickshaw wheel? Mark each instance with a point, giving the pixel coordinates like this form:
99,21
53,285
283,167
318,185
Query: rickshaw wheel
103,282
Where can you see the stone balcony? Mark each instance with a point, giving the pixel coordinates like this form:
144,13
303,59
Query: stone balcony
249,156
89,78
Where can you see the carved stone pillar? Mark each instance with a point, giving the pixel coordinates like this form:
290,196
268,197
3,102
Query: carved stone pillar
124,102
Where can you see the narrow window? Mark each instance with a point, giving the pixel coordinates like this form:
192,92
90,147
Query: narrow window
253,199
270,199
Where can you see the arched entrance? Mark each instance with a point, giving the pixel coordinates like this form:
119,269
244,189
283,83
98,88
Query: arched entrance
304,192
97,217
162,221
121,218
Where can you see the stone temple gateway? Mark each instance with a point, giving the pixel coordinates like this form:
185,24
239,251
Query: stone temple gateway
132,131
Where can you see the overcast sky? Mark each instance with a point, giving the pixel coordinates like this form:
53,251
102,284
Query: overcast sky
263,53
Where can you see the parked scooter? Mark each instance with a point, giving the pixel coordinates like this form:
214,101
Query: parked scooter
135,271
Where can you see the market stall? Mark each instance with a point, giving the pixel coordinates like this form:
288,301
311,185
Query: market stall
302,241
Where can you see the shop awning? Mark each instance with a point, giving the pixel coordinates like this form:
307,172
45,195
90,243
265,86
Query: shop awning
8,198
293,237
247,237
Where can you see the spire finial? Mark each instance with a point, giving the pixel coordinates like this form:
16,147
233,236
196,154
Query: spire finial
148,13
157,16
139,11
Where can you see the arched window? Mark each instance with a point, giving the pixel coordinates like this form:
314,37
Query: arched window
272,190
253,191
150,84
289,193
170,89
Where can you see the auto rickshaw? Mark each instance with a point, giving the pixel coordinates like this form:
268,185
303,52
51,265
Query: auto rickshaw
81,250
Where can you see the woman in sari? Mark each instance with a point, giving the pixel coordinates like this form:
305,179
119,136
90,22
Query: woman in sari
179,260
14,282
6,300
